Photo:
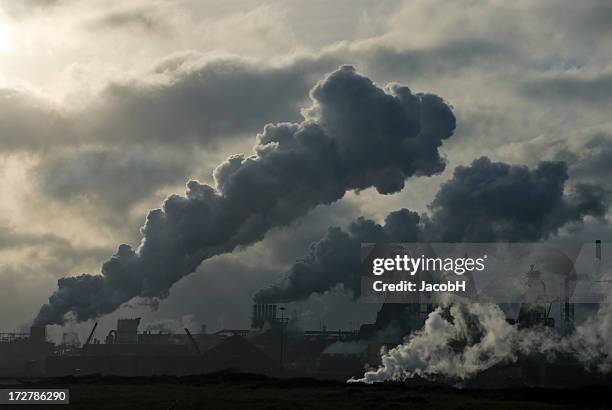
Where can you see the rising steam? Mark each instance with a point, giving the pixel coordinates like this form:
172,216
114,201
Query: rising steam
459,341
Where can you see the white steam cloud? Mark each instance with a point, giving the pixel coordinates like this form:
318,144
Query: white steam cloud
459,341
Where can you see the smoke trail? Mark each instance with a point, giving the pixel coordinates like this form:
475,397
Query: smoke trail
355,135
485,201
334,259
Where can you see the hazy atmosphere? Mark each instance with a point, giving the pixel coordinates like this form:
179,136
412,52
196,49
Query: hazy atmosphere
109,110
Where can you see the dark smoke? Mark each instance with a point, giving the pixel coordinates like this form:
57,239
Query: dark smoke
334,259
354,136
494,201
484,202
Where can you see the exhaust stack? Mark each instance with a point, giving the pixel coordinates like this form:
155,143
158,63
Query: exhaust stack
598,258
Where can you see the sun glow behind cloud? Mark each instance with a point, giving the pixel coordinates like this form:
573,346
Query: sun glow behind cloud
6,39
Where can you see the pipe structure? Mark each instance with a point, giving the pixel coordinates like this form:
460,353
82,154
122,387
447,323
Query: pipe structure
86,345
193,342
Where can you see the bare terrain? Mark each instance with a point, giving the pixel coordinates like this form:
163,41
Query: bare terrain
243,391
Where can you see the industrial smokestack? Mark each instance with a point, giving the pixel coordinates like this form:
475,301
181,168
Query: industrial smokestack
598,249
354,136
598,258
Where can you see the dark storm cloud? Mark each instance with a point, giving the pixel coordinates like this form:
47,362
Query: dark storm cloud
587,153
10,239
101,175
187,100
141,129
194,99
584,20
354,136
27,122
484,202
592,159
199,102
568,87
184,99
449,56
203,101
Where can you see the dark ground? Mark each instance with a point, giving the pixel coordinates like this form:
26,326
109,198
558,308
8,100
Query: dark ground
236,391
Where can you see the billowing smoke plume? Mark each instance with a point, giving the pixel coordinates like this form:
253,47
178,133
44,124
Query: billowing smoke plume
431,352
485,201
354,136
459,341
334,259
494,201
490,202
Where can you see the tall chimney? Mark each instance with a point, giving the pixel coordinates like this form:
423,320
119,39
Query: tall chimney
598,257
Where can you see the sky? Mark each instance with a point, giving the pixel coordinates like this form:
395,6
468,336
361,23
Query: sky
108,108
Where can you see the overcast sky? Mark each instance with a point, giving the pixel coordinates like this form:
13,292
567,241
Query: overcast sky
107,108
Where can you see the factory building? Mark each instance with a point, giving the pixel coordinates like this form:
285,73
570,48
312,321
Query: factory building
262,314
273,346
24,354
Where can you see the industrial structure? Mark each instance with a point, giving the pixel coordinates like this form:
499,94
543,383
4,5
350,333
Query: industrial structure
24,353
270,346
